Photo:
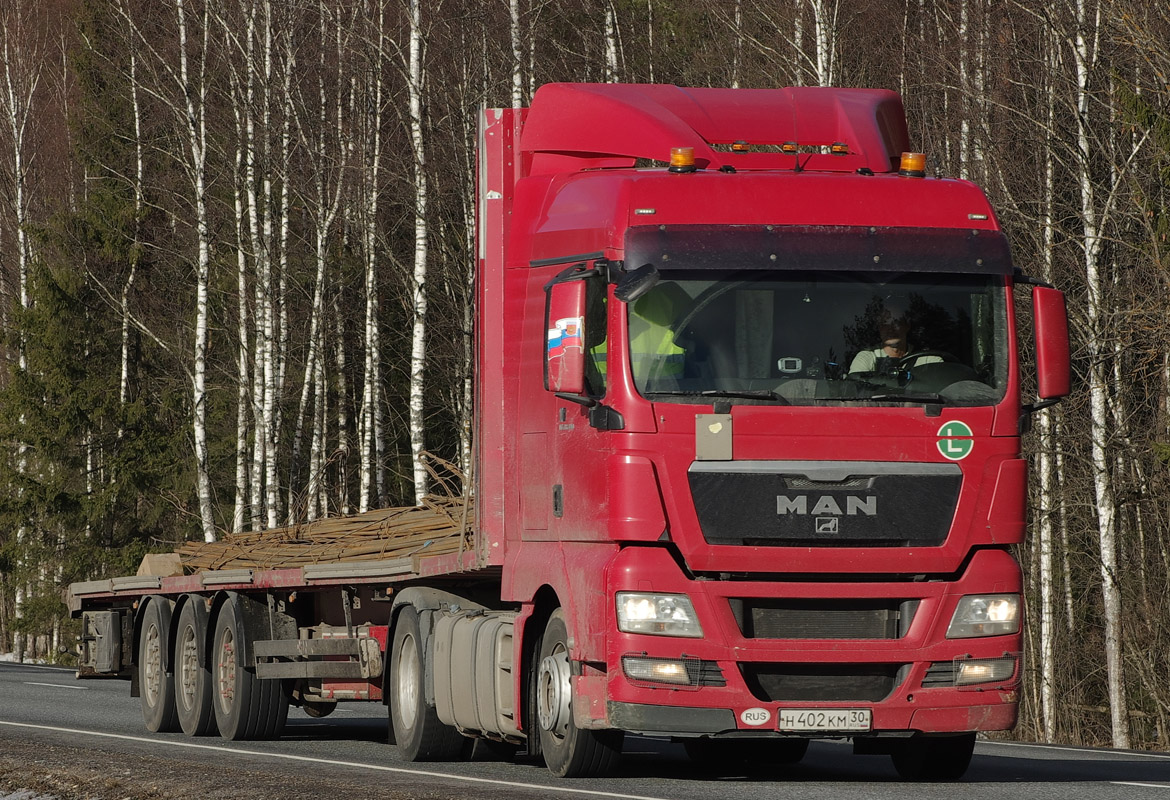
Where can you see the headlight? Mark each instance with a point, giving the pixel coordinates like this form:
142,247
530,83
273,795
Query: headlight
659,614
985,615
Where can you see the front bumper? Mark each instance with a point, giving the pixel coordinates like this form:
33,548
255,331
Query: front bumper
905,680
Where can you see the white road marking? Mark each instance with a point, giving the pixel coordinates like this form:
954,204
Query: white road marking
1146,785
56,686
560,790
1066,748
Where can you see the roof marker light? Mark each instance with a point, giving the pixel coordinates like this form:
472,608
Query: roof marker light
740,147
788,147
913,165
839,149
682,159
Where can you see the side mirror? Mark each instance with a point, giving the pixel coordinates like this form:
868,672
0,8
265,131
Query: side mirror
564,316
1050,321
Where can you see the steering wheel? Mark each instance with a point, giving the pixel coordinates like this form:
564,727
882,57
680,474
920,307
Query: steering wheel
704,299
907,361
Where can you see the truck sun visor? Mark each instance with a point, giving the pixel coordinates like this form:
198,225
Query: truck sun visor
820,247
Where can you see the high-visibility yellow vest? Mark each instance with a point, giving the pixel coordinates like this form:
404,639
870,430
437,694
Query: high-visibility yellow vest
653,353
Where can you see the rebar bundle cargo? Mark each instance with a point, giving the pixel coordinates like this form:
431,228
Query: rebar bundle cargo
436,527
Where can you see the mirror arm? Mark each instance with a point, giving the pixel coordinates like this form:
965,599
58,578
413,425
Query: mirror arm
579,399
1019,277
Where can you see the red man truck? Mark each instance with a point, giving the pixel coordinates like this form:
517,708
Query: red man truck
747,463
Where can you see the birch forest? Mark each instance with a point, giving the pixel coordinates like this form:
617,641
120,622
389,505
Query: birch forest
236,268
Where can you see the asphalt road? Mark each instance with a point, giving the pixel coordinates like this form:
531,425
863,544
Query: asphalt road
46,714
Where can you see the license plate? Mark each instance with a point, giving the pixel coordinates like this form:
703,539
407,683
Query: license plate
825,719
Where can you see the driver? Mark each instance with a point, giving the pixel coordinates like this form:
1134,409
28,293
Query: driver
895,345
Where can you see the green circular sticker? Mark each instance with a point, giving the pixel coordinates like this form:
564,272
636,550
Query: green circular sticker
955,440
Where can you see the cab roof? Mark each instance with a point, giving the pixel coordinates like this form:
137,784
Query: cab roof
572,127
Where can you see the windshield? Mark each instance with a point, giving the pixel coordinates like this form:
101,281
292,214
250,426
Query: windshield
821,337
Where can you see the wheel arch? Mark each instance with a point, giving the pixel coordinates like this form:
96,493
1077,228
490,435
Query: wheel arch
544,603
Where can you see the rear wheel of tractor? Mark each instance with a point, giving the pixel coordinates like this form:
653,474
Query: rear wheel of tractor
569,752
415,724
246,707
192,672
935,758
156,687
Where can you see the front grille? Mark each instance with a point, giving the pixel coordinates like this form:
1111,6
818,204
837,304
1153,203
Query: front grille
825,503
821,682
823,619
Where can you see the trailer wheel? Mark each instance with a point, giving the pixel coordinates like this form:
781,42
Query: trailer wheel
192,673
569,752
415,725
935,758
246,707
156,687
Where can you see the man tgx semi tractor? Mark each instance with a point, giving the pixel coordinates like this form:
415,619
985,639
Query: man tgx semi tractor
698,513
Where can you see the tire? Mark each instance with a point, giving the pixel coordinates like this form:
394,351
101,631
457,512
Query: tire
192,670
745,753
569,752
935,758
246,707
414,724
155,686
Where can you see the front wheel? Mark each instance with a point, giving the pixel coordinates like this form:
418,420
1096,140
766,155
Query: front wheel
935,758
569,752
155,686
414,723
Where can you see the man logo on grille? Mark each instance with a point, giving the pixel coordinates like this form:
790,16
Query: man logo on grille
827,504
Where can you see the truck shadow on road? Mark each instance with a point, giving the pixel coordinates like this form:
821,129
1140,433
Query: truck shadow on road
830,762
826,762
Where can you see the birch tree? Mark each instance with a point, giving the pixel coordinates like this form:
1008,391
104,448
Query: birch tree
371,481
1085,49
329,155
22,74
415,88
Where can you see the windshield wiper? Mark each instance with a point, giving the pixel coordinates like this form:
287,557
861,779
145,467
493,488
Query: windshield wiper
924,397
746,394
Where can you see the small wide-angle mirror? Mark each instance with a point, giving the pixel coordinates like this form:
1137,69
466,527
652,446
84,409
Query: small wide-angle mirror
636,283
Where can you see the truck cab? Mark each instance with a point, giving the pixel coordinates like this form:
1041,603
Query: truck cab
765,458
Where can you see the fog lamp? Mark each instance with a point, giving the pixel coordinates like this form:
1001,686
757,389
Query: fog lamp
656,670
985,670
